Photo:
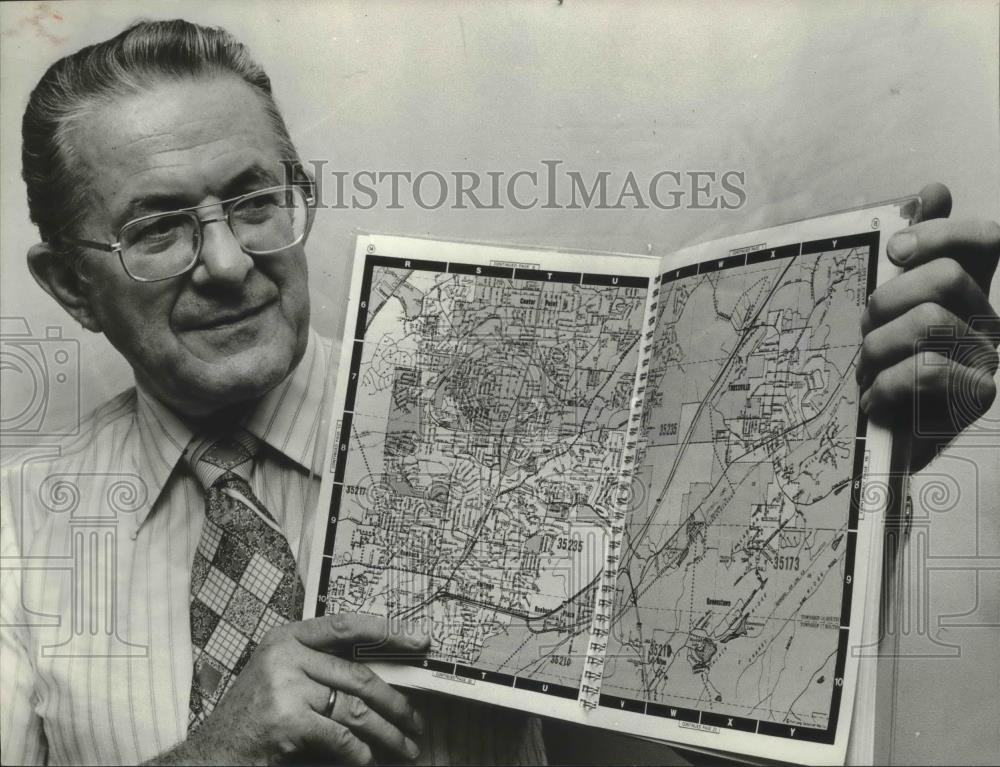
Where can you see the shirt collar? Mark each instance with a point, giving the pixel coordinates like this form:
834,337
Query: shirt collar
290,419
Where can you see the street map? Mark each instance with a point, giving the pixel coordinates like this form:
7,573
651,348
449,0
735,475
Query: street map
627,492
731,586
486,442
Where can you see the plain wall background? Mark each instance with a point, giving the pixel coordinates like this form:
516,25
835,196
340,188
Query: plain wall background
822,106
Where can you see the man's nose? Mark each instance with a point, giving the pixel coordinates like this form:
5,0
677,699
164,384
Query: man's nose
222,259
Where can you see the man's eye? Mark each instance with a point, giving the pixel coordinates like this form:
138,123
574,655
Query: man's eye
158,233
161,228
257,209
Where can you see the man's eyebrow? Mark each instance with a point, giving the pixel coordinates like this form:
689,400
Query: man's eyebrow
147,204
253,178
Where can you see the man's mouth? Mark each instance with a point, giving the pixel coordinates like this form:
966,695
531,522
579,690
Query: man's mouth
225,319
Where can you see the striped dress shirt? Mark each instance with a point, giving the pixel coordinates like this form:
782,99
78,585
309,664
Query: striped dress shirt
98,536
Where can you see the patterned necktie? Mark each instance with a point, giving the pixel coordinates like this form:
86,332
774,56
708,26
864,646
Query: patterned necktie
244,580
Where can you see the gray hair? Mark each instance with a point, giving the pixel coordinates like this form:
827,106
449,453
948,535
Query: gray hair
128,63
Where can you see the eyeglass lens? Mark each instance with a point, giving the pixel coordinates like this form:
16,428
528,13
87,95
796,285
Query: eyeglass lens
168,244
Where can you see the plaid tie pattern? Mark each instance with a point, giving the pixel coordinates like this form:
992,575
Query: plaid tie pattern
243,581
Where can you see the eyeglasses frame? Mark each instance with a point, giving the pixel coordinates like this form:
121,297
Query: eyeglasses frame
231,202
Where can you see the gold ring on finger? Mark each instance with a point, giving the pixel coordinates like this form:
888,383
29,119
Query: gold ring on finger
330,703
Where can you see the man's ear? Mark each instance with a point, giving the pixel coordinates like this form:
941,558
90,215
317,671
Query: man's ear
59,277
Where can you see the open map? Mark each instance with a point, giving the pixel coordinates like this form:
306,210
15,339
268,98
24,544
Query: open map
487,438
731,588
626,492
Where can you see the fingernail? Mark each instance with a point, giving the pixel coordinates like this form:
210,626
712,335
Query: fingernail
865,401
419,636
412,750
418,722
417,632
901,247
419,641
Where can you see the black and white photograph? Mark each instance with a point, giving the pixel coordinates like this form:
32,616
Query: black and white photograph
499,383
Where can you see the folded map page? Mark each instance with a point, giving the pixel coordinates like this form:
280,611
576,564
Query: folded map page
622,491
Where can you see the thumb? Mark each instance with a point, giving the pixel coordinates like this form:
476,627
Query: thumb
935,202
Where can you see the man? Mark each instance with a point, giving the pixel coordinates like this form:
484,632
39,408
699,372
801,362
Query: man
154,165
211,309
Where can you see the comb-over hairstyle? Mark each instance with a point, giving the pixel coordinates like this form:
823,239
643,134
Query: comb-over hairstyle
129,63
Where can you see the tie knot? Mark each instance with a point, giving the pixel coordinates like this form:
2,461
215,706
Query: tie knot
214,458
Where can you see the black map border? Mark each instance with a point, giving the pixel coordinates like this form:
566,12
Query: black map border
638,706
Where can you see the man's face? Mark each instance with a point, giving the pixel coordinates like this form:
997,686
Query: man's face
236,325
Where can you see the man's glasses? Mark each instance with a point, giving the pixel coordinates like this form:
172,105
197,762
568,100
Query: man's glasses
164,245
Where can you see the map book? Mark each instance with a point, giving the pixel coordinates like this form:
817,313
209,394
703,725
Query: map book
630,492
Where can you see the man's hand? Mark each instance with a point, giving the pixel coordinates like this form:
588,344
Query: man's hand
929,353
275,708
